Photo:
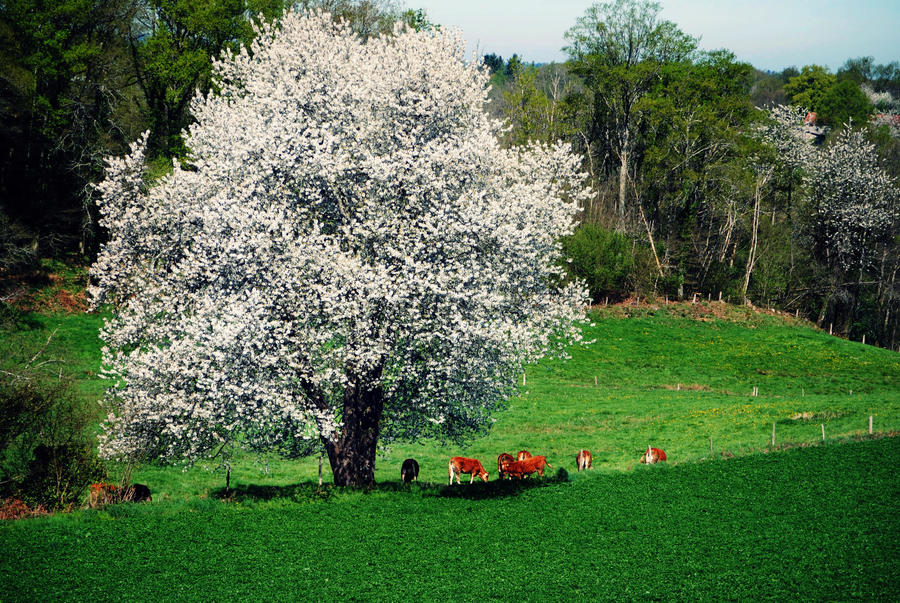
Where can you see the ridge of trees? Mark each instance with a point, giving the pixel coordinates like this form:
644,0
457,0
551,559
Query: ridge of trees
668,134
693,192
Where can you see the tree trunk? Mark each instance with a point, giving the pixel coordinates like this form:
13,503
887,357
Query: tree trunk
623,177
352,453
751,255
761,180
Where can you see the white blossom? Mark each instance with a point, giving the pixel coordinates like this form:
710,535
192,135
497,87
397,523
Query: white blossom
349,223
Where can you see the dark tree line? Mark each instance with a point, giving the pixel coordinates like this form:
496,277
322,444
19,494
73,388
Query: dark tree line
688,195
80,79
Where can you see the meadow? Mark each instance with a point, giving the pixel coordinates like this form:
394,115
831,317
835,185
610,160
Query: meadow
804,519
801,524
668,376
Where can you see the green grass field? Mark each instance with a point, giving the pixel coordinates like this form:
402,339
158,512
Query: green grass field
816,523
802,521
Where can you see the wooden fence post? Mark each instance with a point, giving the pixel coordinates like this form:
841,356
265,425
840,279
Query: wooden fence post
823,432
870,424
595,380
320,469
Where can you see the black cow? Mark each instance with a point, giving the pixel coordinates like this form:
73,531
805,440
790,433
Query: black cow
409,471
137,493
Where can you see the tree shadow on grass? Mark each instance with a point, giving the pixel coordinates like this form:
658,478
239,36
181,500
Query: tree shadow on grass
496,489
311,491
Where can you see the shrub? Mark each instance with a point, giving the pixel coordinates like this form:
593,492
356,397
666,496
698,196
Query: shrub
611,264
47,457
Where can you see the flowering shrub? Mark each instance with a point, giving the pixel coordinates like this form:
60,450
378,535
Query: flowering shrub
352,258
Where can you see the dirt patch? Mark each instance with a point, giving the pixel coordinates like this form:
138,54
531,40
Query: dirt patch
702,310
693,387
55,287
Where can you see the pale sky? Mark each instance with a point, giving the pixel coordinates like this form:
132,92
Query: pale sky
769,34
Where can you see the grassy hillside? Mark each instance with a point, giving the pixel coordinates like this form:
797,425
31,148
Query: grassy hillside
673,377
811,523
799,522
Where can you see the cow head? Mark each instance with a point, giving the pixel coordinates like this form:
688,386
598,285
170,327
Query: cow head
483,475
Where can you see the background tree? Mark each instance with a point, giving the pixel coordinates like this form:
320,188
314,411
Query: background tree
352,259
809,87
854,219
493,62
843,103
688,162
533,101
173,45
617,48
62,107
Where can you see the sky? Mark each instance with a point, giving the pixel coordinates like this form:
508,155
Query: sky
769,34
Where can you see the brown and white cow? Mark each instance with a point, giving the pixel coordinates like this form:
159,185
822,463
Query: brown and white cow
409,471
653,455
103,493
523,454
502,461
583,460
461,464
520,469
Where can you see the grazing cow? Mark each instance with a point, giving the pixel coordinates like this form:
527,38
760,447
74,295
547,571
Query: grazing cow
523,454
583,460
520,469
653,455
136,493
409,471
460,464
502,461
103,494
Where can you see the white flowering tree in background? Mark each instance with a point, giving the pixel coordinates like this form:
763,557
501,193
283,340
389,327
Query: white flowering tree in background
351,257
853,205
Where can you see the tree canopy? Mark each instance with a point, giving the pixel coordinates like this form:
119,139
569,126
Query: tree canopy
350,257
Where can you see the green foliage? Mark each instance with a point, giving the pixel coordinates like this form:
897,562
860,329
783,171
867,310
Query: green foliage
603,259
174,55
526,106
418,20
493,62
47,455
843,102
809,87
513,66
64,103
